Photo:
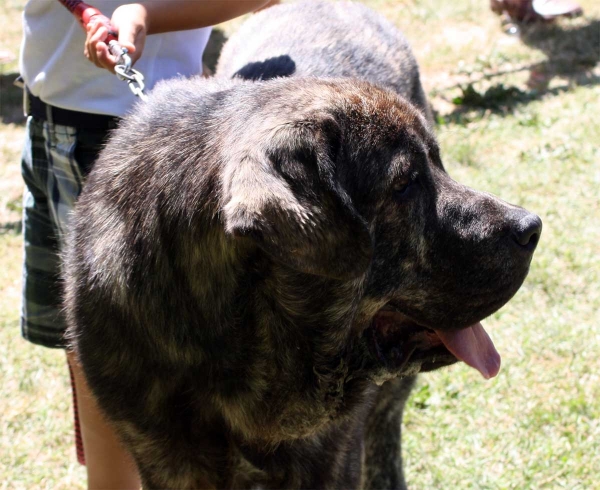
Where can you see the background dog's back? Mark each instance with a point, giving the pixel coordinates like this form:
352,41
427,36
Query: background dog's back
324,39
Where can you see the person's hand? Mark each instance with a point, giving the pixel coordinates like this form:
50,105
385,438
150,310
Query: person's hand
129,22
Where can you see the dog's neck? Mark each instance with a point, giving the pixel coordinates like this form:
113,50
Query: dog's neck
290,347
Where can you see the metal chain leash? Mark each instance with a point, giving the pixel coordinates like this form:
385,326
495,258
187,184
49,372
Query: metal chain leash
124,71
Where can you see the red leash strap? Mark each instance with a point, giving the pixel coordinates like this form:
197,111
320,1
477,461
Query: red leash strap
84,13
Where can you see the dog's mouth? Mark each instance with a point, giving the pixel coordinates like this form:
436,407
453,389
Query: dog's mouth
396,340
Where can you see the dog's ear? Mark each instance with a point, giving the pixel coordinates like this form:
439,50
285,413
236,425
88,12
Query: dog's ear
286,197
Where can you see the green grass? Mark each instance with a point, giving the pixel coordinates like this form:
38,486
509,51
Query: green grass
535,426
36,448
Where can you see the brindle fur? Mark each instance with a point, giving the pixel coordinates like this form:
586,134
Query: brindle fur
229,252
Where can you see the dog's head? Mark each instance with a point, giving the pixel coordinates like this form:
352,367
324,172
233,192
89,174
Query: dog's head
348,197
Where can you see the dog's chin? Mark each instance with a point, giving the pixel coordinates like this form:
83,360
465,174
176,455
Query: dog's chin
400,346
405,347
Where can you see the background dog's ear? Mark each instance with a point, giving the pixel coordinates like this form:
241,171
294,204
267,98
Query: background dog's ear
286,197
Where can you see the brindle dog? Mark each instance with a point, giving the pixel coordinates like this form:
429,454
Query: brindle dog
249,261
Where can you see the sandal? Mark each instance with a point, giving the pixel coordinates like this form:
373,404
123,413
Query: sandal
550,9
527,11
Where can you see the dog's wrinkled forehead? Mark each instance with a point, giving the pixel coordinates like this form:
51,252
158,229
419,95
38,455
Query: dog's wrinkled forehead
373,135
389,140
384,118
381,114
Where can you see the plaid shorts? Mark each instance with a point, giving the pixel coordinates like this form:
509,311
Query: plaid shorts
56,159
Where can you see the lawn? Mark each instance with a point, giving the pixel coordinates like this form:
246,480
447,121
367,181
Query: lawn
517,116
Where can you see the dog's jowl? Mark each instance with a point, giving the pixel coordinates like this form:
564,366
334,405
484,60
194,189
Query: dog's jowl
254,265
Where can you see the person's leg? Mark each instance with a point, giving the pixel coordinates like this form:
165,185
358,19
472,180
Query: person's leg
109,465
41,320
52,181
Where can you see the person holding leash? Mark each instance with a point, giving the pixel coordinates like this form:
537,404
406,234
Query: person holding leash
71,107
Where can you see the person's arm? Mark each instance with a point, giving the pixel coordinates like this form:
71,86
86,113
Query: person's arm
134,21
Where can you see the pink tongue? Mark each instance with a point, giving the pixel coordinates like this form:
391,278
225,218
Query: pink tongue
474,347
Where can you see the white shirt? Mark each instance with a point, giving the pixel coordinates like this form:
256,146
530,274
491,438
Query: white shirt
55,69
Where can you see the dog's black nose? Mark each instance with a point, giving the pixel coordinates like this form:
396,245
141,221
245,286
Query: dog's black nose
527,231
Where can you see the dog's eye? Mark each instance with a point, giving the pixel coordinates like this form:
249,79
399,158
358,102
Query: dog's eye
402,189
